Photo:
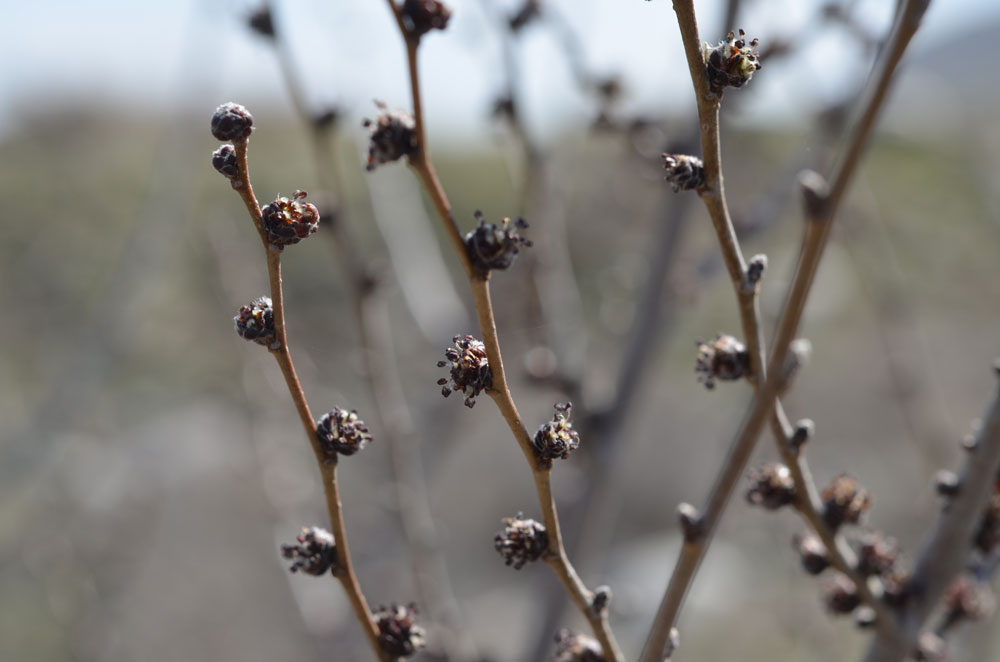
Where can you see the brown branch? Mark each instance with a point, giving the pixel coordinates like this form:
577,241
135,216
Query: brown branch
328,470
500,391
821,204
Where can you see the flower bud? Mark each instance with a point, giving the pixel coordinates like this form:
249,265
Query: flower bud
224,161
391,137
289,221
844,501
231,121
469,369
398,633
812,553
522,540
725,359
314,553
557,438
341,431
684,172
422,16
576,647
495,246
730,64
841,595
771,486
255,322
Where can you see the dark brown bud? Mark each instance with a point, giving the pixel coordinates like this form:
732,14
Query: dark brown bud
812,553
231,122
495,246
289,221
844,501
422,16
522,540
469,369
391,137
840,595
314,553
684,172
877,554
987,538
398,633
557,438
224,161
341,431
946,483
771,486
255,322
804,430
755,269
724,358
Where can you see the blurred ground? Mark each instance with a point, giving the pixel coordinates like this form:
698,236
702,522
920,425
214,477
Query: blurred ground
151,462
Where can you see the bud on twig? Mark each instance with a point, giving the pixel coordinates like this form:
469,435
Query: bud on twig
725,359
224,161
469,369
422,16
844,501
691,522
522,540
771,486
841,596
812,552
314,554
231,122
391,137
398,633
946,483
557,438
730,64
576,647
255,322
684,172
341,431
289,221
804,430
495,246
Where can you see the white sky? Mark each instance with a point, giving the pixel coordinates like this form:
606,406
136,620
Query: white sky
193,54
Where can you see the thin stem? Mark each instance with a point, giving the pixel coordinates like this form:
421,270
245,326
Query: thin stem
822,202
500,392
328,470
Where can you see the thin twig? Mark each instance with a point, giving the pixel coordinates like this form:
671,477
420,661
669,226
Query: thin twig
499,391
822,203
328,470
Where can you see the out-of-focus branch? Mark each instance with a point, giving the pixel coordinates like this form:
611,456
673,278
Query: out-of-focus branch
821,204
949,542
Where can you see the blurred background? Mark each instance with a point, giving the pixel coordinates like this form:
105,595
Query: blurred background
151,462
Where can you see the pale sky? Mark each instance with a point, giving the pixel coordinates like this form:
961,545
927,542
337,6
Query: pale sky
193,54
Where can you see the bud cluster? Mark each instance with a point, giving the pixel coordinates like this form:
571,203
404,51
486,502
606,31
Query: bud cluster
522,540
391,137
398,633
289,221
557,438
730,64
771,486
255,322
469,369
491,246
725,359
314,554
341,431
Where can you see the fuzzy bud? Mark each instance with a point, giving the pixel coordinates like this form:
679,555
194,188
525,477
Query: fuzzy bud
725,359
495,246
730,64
844,501
684,172
255,321
341,431
391,137
812,553
398,633
576,647
224,161
522,540
422,16
231,121
840,595
469,369
877,554
755,269
314,554
557,438
771,486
